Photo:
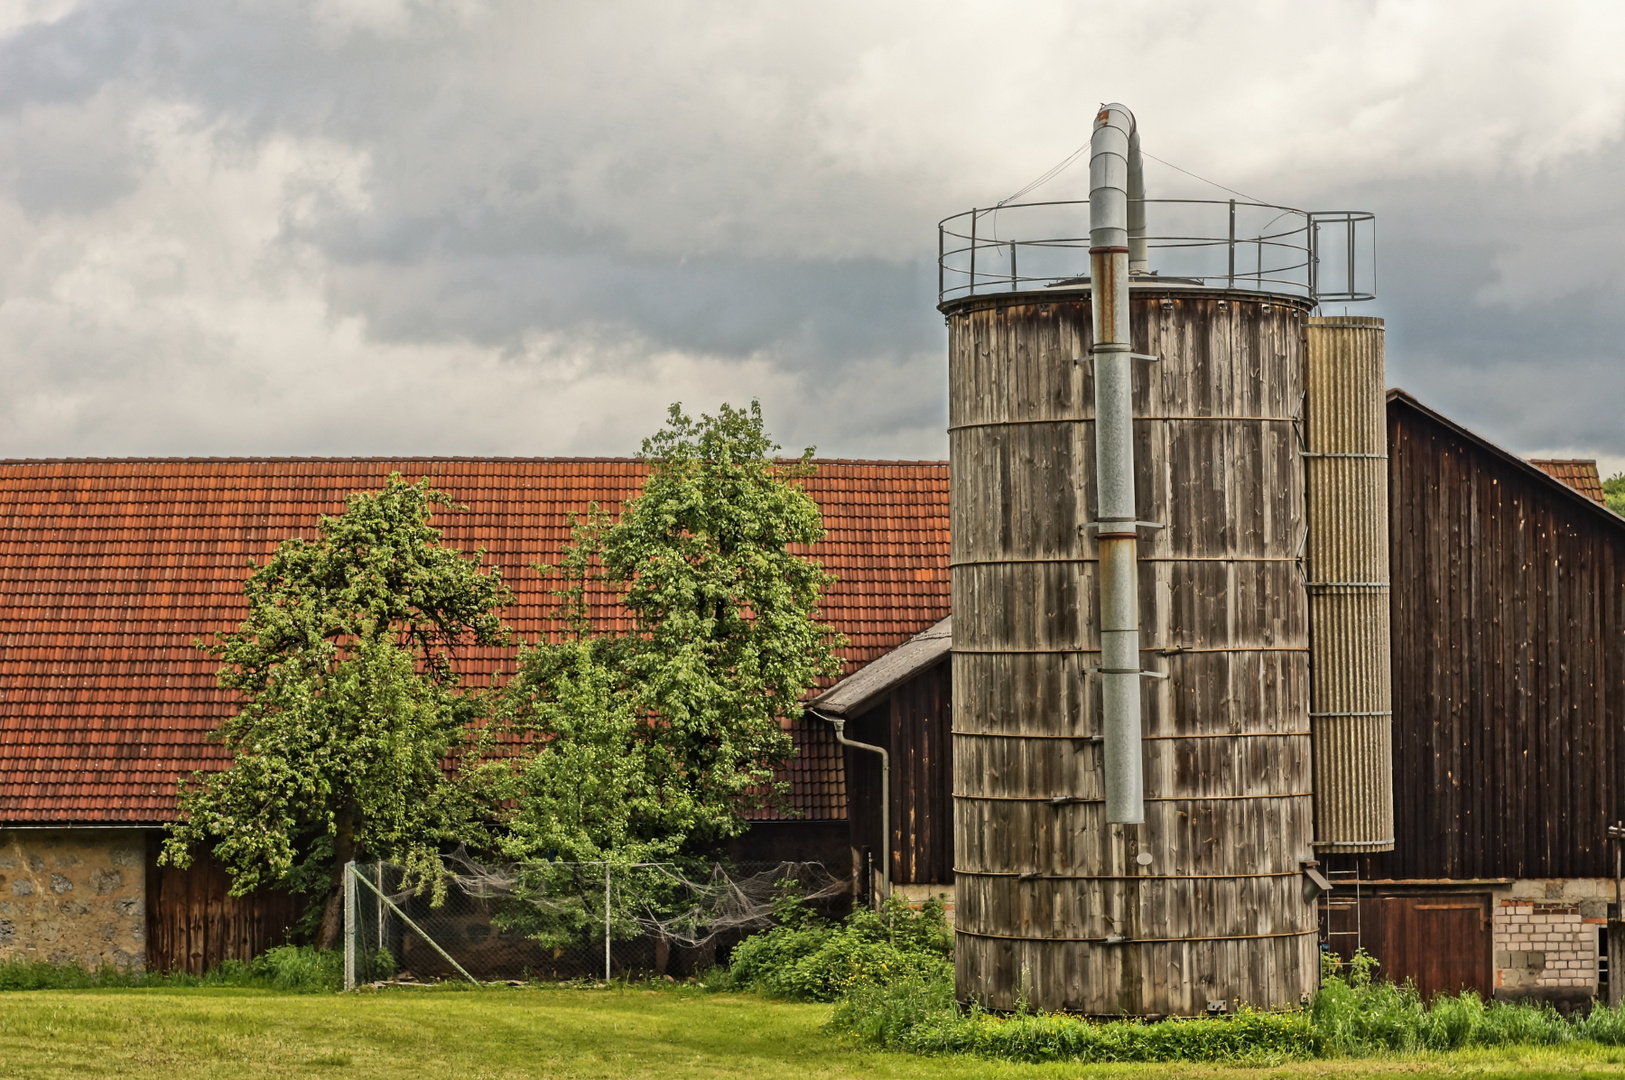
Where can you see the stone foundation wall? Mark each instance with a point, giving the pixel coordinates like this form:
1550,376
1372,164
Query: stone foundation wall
1546,937
74,896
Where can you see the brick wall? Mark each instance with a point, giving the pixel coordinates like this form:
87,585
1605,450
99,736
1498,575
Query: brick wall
74,896
1547,946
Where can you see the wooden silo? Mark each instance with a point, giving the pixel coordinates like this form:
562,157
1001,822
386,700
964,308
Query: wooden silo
1205,901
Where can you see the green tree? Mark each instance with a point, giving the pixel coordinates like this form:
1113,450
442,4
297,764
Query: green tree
651,732
352,702
589,786
1614,489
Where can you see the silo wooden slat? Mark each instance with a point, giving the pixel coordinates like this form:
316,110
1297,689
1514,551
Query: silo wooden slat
1219,912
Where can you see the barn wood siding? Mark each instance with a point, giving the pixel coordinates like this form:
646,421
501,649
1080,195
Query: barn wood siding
922,777
193,925
863,785
1508,664
913,723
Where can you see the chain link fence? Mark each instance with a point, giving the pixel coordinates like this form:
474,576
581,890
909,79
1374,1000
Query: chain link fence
558,921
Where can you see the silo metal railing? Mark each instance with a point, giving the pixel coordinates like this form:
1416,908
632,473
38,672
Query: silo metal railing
1326,256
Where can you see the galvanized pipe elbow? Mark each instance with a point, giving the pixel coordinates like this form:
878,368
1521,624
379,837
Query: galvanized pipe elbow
1108,178
1138,263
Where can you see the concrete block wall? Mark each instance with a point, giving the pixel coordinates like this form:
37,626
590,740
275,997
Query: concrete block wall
74,896
1546,938
917,895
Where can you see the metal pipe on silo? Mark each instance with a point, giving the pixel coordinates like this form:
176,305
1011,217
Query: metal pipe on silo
1116,521
1351,698
1138,263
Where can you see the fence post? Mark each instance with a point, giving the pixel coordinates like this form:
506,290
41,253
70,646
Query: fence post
415,928
349,925
606,920
1616,920
378,901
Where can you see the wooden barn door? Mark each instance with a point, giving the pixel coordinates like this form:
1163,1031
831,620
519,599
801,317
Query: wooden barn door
1443,942
192,924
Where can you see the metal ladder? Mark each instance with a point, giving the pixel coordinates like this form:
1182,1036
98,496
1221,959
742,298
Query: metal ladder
1340,929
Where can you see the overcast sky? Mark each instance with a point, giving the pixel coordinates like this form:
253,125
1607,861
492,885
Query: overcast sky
379,227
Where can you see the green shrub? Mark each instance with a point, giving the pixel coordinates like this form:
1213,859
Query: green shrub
891,1016
295,969
1354,1015
1358,1014
921,1017
1525,1024
1029,1037
39,975
716,980
299,969
807,959
1602,1025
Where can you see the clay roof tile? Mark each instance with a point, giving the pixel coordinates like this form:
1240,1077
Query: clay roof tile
111,568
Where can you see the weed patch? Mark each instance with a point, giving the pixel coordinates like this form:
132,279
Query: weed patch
1354,1015
289,968
922,1018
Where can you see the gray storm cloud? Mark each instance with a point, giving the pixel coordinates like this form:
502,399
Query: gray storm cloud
377,227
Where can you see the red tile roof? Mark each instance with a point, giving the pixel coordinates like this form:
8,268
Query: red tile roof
1578,473
110,569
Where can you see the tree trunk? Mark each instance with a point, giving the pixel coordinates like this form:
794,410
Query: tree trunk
662,954
333,913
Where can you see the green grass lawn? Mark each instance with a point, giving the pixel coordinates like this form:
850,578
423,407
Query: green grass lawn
175,1034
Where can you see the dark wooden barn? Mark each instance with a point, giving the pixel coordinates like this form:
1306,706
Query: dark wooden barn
900,703
1508,619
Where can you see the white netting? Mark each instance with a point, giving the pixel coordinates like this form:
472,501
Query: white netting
559,920
685,905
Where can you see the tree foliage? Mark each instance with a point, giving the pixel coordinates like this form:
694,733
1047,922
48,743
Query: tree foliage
641,731
588,785
352,698
713,638
1613,489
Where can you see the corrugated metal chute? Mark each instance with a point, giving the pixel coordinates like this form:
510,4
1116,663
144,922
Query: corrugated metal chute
1351,696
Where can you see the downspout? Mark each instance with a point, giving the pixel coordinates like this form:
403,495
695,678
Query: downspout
885,795
1113,161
